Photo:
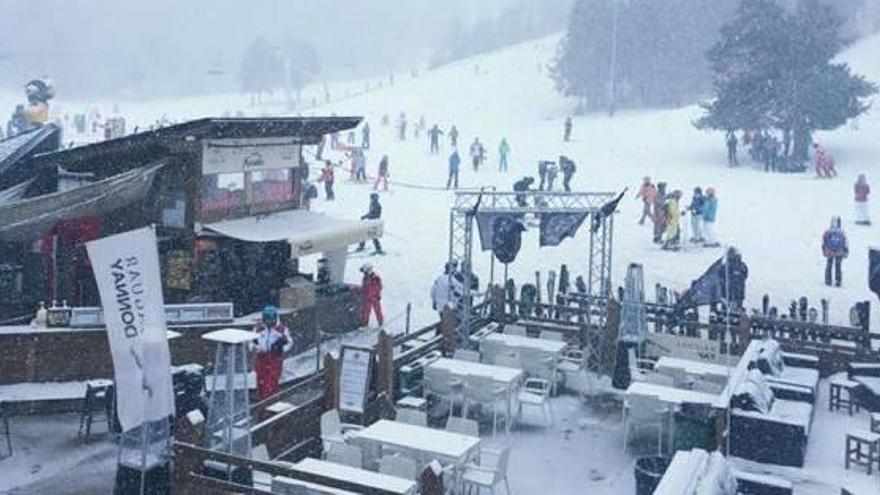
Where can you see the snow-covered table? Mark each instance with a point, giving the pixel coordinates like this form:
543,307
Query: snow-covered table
510,378
672,395
342,472
666,365
517,341
283,485
424,444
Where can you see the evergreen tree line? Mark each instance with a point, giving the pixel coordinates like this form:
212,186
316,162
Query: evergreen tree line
637,53
648,53
775,69
265,68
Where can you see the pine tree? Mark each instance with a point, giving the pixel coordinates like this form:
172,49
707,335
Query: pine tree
774,70
584,55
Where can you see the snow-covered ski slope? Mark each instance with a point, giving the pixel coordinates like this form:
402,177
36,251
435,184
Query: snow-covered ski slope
776,220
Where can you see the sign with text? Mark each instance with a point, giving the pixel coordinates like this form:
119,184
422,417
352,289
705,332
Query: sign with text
126,268
227,156
354,378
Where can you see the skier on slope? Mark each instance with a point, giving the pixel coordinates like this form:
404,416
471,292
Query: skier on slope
401,126
371,296
696,211
543,171
365,136
835,248
374,213
434,136
862,190
824,162
382,175
568,168
503,151
648,194
732,143
453,136
328,177
567,131
659,216
673,217
454,163
709,213
477,152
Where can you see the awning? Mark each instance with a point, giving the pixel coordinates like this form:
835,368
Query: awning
307,232
30,218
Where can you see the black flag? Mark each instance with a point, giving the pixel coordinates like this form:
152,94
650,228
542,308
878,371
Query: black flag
606,211
557,226
705,290
874,271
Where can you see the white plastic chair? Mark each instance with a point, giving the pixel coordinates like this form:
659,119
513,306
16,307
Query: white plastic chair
513,329
484,391
466,355
333,430
463,426
349,455
399,466
491,470
536,393
412,417
641,410
539,364
440,383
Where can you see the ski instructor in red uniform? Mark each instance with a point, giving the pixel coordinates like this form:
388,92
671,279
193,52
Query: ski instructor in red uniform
273,340
371,296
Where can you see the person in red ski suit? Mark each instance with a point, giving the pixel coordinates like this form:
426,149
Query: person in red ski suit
371,295
273,341
825,166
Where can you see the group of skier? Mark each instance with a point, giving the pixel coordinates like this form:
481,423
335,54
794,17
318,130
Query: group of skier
665,211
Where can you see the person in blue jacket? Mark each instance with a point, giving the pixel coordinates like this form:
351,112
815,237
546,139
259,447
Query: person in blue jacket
454,162
709,212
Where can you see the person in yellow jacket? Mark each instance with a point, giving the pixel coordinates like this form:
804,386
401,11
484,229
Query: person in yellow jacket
673,215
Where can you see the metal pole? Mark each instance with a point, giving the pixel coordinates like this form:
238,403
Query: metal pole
143,456
408,316
613,69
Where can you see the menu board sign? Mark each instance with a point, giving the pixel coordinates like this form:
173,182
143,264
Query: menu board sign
354,378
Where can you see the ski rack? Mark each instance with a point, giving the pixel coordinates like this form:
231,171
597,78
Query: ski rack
461,239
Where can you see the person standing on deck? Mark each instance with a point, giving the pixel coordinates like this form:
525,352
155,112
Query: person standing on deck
273,341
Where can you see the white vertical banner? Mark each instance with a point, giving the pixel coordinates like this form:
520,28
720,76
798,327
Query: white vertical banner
126,268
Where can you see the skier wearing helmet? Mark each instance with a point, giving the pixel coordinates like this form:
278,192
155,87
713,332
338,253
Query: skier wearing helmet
371,295
835,248
273,340
709,212
373,213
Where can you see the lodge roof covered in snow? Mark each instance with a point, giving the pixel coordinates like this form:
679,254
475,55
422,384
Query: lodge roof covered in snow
151,145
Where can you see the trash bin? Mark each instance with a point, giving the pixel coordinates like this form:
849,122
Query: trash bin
649,471
695,428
